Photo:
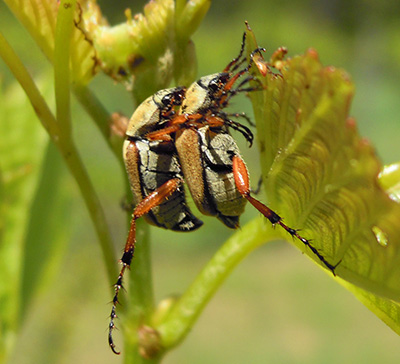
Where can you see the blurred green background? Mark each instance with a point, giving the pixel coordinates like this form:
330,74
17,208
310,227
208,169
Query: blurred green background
255,316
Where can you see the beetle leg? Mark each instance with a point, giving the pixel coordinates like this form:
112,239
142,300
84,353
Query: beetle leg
236,60
163,134
221,119
152,200
241,115
241,177
257,190
246,132
174,125
234,78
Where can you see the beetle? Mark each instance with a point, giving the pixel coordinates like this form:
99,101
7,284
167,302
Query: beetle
155,177
180,135
203,107
195,145
206,99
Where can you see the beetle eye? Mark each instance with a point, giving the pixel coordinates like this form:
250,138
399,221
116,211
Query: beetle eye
214,85
178,98
166,100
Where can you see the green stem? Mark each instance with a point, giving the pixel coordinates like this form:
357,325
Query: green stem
92,202
62,45
179,321
68,151
23,77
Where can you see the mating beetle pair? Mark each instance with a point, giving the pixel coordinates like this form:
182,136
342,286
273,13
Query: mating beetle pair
178,136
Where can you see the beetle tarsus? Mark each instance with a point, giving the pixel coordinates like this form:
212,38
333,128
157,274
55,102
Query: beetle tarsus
110,338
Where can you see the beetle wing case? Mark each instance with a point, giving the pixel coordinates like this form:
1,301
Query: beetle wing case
206,158
149,165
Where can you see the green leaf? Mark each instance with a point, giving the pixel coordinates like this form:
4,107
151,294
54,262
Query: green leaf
20,135
34,209
387,310
39,18
47,228
322,177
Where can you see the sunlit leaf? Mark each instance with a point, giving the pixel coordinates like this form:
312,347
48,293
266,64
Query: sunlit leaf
321,176
389,179
39,18
386,309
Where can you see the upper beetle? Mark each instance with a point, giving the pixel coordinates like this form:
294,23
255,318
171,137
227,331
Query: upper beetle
155,177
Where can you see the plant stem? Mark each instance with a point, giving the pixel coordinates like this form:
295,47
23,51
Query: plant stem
25,80
92,202
62,45
68,151
182,317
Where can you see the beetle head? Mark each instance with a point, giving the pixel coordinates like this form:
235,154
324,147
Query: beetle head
174,98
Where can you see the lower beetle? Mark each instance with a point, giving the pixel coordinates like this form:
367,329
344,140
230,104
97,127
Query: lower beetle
155,178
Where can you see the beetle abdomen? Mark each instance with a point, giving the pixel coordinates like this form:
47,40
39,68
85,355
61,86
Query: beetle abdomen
217,152
153,164
206,159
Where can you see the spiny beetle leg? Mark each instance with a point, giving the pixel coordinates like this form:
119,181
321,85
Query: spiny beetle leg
234,78
244,130
241,115
242,183
175,124
163,134
235,61
154,199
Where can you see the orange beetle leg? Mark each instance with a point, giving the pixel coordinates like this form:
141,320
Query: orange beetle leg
152,200
242,182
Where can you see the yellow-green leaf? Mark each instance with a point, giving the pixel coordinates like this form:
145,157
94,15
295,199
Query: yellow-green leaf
389,179
39,18
321,176
20,135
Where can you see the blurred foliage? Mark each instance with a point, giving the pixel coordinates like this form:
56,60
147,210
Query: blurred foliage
66,323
